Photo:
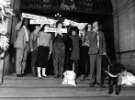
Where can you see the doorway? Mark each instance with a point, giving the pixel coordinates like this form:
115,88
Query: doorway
101,11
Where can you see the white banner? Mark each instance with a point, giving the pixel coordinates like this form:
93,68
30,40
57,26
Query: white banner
36,19
48,21
56,30
80,26
32,16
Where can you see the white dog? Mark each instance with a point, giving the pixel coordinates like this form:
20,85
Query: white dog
69,78
125,78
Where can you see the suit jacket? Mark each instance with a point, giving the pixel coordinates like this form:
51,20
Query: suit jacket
93,48
21,41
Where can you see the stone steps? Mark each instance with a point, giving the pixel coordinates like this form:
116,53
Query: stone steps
29,81
74,98
46,83
31,88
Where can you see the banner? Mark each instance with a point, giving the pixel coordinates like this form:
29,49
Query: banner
49,21
56,30
36,19
32,16
80,26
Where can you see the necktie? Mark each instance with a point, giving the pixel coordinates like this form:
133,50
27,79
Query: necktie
97,39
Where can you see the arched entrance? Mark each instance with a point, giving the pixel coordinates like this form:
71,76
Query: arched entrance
84,11
117,22
121,18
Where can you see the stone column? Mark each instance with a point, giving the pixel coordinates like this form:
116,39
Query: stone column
1,70
9,62
116,36
5,64
116,29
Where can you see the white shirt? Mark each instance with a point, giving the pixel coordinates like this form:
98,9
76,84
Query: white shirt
26,33
97,39
44,39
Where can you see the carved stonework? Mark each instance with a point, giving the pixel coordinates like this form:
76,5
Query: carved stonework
84,4
68,5
45,6
47,3
36,4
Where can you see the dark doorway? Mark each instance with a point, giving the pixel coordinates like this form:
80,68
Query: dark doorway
97,10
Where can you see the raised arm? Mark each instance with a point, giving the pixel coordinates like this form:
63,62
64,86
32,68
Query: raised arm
18,26
50,44
31,42
38,29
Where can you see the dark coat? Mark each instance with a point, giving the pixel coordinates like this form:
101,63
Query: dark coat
75,54
93,49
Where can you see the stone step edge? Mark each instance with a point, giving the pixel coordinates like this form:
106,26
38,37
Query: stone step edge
95,96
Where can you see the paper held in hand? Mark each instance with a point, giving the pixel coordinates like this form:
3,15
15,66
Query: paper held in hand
56,30
49,21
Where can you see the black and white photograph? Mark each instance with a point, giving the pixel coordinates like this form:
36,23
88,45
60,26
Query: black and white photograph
67,49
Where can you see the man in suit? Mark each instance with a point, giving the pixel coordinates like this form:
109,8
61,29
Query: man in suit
97,48
22,46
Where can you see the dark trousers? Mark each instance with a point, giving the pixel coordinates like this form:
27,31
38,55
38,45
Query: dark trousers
75,66
33,61
113,83
95,68
84,68
58,58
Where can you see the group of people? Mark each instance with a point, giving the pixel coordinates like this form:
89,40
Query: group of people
69,50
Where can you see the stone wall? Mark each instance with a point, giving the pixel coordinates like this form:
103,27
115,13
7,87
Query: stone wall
124,32
128,59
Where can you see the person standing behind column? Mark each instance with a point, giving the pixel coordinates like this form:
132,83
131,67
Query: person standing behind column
44,51
33,47
22,46
97,48
58,52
